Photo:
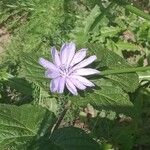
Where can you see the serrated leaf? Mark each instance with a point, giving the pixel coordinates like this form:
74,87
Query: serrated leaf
105,96
20,85
111,90
32,71
67,138
128,46
70,138
121,132
110,31
83,26
101,18
44,143
48,102
124,136
19,126
109,60
95,12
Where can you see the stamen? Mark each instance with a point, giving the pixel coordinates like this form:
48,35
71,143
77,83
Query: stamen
64,70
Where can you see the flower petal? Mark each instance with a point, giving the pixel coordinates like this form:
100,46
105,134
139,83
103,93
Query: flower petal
71,87
67,53
52,74
54,84
47,64
55,56
85,62
85,72
61,85
83,80
79,56
77,83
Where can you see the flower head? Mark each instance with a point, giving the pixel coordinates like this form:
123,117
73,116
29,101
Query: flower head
68,69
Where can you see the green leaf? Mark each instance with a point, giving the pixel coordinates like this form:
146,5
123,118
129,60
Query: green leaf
21,85
110,31
105,96
124,136
70,138
121,132
32,71
95,12
128,46
101,18
109,60
80,33
128,82
19,126
44,143
47,101
111,90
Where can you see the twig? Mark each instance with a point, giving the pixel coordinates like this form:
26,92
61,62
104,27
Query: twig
58,122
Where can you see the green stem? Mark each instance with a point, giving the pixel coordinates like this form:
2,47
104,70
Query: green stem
124,70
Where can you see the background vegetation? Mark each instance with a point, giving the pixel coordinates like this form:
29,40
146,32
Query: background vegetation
114,115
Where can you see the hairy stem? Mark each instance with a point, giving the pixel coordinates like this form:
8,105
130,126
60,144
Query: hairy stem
124,70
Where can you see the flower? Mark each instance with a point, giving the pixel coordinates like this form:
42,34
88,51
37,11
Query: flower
67,69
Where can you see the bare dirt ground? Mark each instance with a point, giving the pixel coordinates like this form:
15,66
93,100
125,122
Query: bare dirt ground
4,39
143,4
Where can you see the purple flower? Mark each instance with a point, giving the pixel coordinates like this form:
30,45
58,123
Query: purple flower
67,69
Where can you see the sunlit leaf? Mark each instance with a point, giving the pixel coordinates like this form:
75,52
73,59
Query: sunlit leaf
20,126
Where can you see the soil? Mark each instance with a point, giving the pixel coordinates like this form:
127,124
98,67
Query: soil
4,39
143,4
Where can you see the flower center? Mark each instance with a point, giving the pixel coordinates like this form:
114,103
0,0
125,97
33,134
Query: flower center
64,70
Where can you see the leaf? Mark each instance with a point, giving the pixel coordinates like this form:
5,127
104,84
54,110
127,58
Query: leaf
128,82
111,90
22,128
81,31
48,102
109,60
122,133
19,126
44,143
95,12
110,31
67,138
124,136
71,138
105,96
21,85
128,46
101,19
32,71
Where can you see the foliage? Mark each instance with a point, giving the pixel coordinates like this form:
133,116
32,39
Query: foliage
34,118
